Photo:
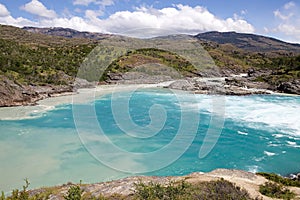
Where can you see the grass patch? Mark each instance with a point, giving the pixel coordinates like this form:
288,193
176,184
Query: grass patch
279,179
158,191
275,190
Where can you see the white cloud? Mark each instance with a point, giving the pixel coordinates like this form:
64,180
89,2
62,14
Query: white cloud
289,29
278,14
19,22
3,11
37,8
183,19
176,19
78,10
83,2
93,14
266,30
106,2
98,2
289,5
288,22
244,12
76,23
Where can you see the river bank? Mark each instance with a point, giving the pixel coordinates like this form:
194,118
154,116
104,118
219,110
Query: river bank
81,95
19,95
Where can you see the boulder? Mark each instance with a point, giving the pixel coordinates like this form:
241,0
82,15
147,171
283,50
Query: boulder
182,85
292,87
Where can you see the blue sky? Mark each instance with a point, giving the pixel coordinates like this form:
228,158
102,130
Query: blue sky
276,18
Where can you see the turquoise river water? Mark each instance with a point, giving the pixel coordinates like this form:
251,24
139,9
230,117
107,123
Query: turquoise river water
260,133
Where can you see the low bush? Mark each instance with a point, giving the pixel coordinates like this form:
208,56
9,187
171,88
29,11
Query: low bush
74,193
275,190
279,179
213,190
157,191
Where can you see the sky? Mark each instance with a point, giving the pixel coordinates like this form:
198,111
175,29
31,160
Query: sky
274,18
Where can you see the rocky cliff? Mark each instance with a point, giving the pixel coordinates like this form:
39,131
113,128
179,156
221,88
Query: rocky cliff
14,94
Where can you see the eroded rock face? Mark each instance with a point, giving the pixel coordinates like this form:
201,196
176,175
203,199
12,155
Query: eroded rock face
13,94
292,87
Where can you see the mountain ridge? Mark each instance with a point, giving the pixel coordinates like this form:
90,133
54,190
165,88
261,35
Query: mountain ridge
249,42
67,32
245,41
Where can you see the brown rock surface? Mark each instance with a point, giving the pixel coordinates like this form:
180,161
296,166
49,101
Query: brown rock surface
126,186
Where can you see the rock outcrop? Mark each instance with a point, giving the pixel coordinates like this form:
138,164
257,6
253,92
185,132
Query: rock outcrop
125,187
220,85
14,94
292,87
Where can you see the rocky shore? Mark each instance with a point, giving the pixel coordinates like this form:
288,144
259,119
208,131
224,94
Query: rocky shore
231,84
125,187
220,86
13,94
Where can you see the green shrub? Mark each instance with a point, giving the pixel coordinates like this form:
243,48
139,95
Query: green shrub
275,190
213,190
74,193
158,191
2,197
279,179
18,195
219,190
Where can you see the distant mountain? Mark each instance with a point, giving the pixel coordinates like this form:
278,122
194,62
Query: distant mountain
244,41
249,42
67,32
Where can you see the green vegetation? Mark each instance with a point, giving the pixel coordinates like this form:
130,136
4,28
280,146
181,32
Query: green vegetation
279,179
282,67
28,58
215,190
157,191
139,57
24,194
74,193
275,190
37,64
220,189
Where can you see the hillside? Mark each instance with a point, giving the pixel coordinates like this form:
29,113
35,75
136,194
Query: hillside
67,32
17,34
34,66
251,42
38,62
